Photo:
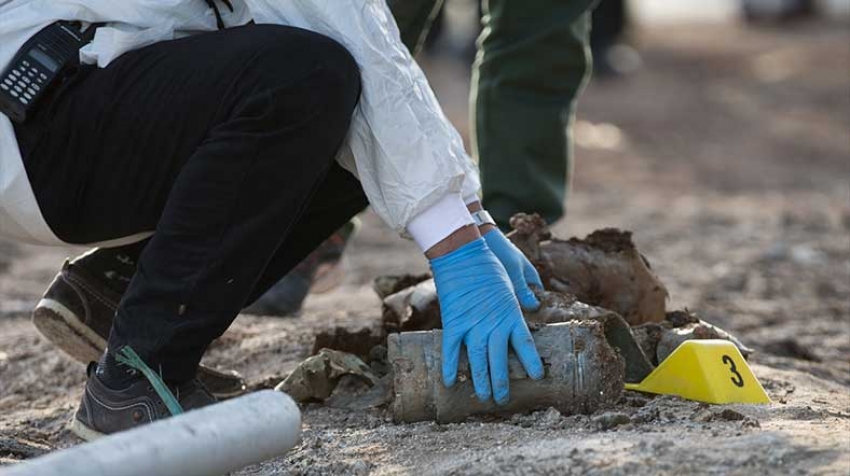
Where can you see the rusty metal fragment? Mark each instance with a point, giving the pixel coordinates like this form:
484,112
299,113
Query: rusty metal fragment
659,339
317,377
605,269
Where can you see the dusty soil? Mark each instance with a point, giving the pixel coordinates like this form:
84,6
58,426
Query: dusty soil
728,156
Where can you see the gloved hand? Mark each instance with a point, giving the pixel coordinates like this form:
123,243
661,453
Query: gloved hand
520,270
479,309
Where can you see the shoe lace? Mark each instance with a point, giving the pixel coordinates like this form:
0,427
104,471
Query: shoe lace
127,356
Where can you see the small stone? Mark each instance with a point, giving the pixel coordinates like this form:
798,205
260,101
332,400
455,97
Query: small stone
647,414
633,399
806,255
360,468
379,353
750,422
776,252
550,417
727,414
609,420
380,368
706,414
702,414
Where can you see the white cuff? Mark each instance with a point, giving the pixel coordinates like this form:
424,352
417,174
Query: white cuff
471,198
439,221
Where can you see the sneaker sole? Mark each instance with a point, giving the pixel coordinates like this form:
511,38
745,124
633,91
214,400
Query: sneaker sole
80,429
65,330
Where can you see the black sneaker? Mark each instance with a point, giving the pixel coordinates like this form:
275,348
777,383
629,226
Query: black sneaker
76,315
104,411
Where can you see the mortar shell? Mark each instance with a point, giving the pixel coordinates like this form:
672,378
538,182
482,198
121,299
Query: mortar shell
583,374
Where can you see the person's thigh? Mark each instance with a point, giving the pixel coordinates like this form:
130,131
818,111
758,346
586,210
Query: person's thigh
103,156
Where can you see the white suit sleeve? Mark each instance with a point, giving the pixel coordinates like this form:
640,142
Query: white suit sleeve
407,155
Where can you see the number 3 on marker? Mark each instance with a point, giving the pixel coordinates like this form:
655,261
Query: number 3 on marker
737,379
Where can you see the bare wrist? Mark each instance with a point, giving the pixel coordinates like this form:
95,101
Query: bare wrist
458,238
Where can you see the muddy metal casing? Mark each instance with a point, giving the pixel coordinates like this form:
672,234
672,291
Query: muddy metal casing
583,374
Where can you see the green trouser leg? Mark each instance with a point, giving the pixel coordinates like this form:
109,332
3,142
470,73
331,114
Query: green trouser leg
533,61
414,18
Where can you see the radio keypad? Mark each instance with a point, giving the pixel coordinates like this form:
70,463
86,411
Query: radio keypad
24,81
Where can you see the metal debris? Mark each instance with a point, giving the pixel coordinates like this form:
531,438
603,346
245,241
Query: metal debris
317,377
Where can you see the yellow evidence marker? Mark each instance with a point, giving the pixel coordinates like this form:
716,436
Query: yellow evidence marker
711,371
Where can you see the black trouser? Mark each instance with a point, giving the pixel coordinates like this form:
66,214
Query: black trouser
224,143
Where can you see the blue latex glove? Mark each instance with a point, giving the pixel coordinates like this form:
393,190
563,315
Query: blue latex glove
479,309
520,270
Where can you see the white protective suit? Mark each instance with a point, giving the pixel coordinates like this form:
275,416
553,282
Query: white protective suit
408,157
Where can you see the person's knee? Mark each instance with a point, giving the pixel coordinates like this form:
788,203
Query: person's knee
339,71
329,64
336,58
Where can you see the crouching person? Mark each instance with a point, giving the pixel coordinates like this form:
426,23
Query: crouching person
219,150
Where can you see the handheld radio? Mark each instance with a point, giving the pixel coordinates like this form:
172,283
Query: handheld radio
42,63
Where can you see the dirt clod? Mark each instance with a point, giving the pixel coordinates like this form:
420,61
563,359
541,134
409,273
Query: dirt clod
359,343
709,414
609,420
791,348
355,394
21,448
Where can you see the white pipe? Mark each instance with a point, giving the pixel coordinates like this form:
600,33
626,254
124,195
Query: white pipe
214,440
